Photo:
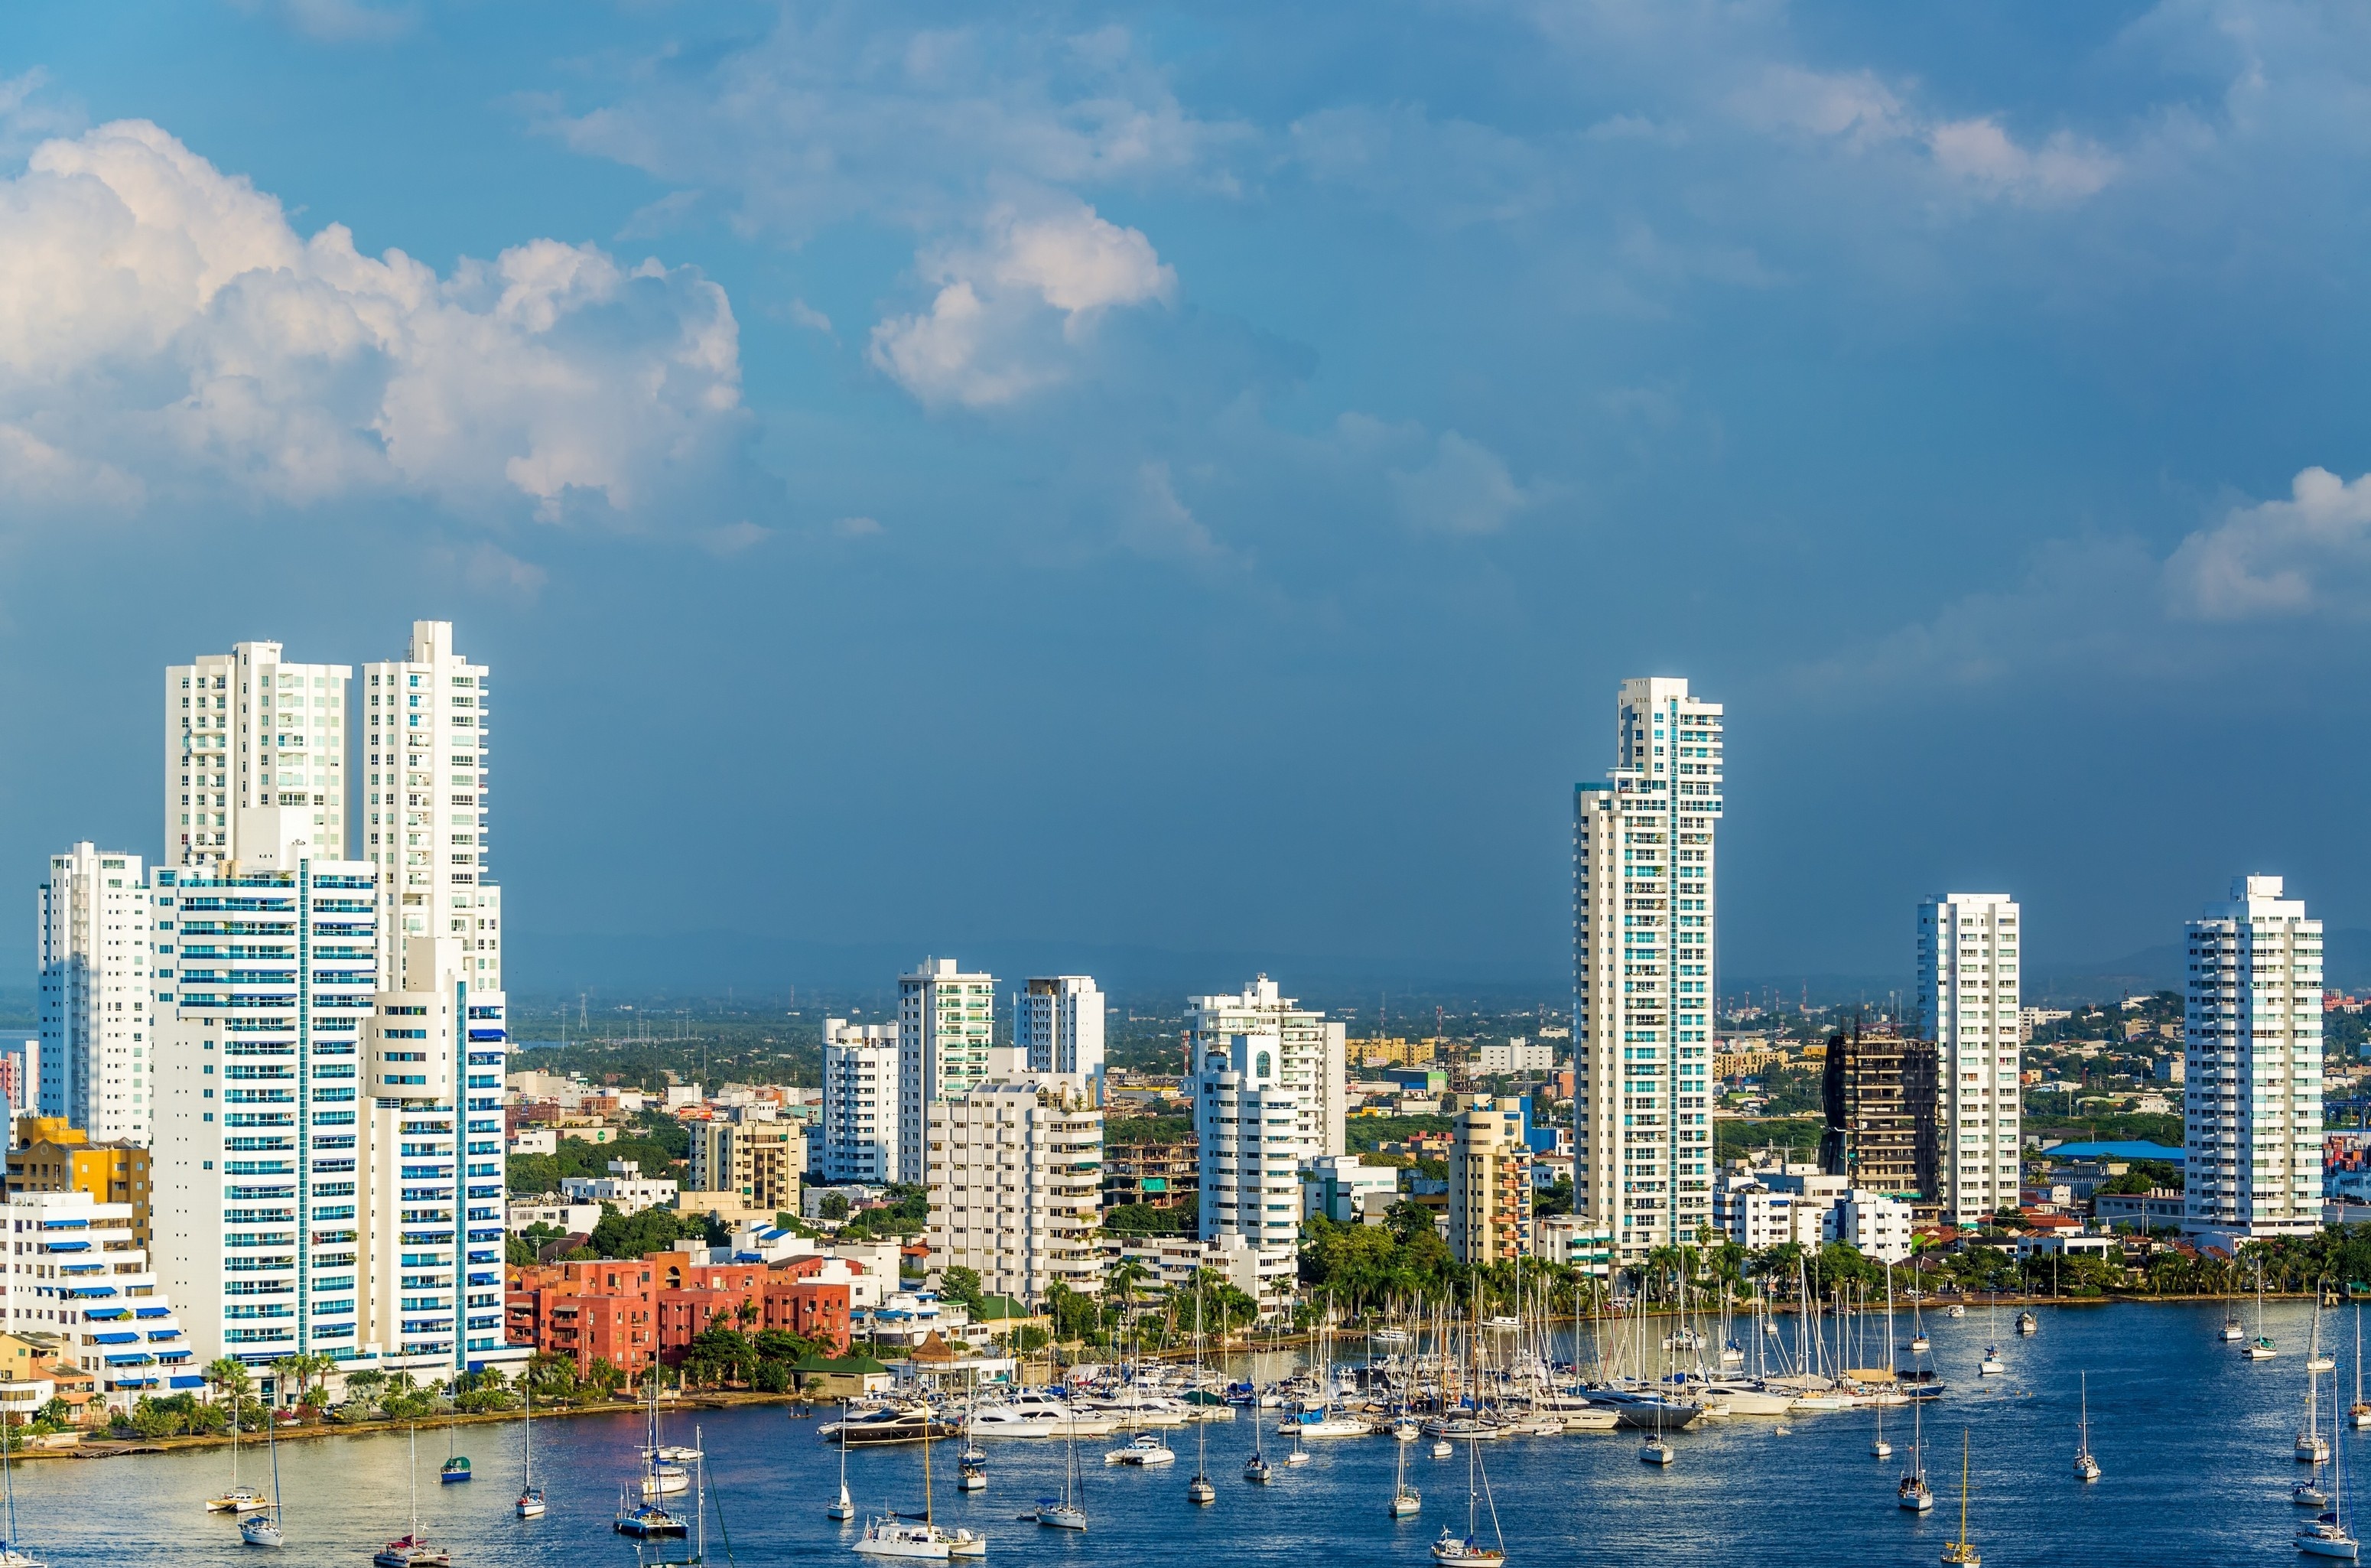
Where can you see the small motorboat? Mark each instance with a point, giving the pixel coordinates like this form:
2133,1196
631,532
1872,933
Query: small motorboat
1146,1452
1442,1448
1956,1311
2027,1323
453,1469
237,1500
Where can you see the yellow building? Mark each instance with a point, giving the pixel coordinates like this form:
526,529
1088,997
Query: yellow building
1391,1051
1489,1185
52,1156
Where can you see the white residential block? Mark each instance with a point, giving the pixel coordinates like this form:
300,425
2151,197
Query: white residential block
97,1059
1057,1025
425,720
946,1022
2251,1091
1016,1173
247,728
1968,956
1643,951
856,1140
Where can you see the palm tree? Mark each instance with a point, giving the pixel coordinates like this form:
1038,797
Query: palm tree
1123,1280
227,1375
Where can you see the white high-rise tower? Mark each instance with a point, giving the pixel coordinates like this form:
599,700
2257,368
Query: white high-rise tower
1968,953
2252,1094
1057,1025
946,1022
424,780
97,1054
247,728
1643,962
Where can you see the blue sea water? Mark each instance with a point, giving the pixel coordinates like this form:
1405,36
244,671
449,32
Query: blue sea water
2195,1444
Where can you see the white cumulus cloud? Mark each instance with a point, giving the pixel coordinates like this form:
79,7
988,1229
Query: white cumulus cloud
1010,307
2307,556
162,322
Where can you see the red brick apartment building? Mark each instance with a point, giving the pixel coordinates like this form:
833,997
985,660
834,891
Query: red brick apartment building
631,1312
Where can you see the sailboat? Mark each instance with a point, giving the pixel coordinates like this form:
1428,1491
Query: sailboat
1200,1492
262,1527
2260,1348
530,1497
2086,1467
456,1466
2358,1414
1450,1552
1655,1451
1256,1469
412,1550
845,1509
1406,1500
240,1498
1993,1365
1068,1511
1879,1448
2232,1331
1297,1455
2328,1536
2310,1449
1919,1343
1962,1554
11,1556
1914,1495
2316,1358
891,1535
663,1465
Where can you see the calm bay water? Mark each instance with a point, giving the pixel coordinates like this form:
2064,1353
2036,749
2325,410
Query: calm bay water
2195,1444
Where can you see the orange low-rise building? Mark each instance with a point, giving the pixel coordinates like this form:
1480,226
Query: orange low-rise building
631,1313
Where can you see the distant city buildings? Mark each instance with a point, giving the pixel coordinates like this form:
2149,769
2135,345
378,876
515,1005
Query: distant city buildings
1015,1177
1057,1025
1968,953
97,1057
2251,1096
1643,919
946,1023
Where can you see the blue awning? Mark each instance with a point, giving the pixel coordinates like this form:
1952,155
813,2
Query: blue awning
152,1312
87,1291
109,1314
155,1334
190,1381
115,1339
65,1246
131,1360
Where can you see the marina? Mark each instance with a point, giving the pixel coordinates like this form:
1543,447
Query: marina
2195,1444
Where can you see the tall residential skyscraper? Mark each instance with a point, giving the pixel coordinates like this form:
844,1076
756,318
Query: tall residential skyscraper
247,728
1490,1184
857,1139
257,1215
1643,964
946,1021
1057,1025
1966,1006
2252,1092
1313,1061
98,1051
424,786
1242,1111
433,1162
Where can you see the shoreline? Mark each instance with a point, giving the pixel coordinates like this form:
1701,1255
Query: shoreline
109,1448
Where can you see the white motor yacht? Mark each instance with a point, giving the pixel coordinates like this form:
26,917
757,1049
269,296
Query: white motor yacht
1147,1452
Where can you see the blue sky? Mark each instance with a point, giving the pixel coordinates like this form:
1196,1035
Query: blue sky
1192,478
